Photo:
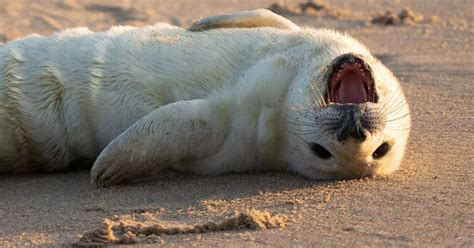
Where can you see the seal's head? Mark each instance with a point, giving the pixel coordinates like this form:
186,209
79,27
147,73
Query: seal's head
353,123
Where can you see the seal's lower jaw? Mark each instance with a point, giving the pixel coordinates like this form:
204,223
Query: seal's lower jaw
351,81
358,172
370,168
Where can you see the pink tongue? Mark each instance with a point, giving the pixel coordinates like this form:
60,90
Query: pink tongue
351,89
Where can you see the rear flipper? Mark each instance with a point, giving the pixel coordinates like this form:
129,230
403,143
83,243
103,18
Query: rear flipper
245,19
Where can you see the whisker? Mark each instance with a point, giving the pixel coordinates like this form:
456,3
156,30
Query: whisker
300,124
318,94
386,106
398,118
299,133
395,110
399,130
289,118
311,103
391,98
308,115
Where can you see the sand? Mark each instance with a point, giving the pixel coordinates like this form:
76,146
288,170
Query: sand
428,203
124,231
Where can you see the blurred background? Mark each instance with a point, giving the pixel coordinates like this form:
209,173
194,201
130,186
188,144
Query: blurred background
21,17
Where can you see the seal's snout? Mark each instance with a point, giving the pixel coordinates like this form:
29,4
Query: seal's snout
350,81
352,124
355,121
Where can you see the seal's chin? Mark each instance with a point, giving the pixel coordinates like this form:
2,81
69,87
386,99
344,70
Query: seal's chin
351,81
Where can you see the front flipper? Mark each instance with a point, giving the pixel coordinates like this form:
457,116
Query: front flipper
177,132
245,19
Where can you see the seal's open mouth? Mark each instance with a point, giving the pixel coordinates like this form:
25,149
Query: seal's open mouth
351,81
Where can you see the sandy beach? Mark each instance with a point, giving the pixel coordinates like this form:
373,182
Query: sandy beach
428,203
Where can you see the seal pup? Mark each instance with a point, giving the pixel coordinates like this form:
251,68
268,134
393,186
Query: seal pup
225,99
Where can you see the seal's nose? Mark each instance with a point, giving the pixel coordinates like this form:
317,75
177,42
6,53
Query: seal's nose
353,131
351,125
357,134
352,121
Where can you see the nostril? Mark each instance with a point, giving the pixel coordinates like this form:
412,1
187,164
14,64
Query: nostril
352,130
358,134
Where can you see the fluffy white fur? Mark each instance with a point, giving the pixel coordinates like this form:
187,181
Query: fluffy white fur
142,100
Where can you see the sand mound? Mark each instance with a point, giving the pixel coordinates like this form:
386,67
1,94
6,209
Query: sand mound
131,232
405,17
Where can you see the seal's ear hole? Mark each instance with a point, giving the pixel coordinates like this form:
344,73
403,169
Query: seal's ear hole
381,151
320,151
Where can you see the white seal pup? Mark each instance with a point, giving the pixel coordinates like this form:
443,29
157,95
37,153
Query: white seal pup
227,99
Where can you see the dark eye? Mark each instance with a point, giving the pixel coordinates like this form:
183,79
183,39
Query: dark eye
381,151
320,151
